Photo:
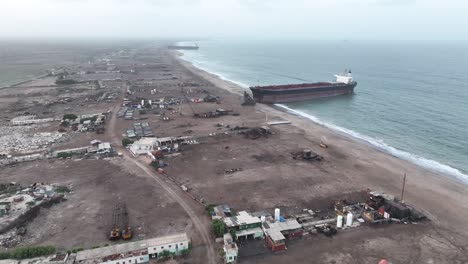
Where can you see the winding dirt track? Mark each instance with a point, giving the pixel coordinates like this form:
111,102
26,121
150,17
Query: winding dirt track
173,191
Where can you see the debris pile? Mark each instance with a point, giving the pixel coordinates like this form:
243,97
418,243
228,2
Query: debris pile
382,207
19,205
231,171
17,139
13,237
307,155
217,113
211,99
256,132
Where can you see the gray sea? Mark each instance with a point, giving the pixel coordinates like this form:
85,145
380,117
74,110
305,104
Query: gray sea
410,101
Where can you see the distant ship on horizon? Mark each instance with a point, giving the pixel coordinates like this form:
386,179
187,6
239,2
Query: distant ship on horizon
288,93
183,47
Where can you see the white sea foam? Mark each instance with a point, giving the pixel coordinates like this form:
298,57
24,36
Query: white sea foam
200,65
428,164
378,144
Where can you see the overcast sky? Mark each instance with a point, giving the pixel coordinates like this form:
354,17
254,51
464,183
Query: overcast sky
317,19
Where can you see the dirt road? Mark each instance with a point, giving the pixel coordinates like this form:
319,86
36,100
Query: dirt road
173,191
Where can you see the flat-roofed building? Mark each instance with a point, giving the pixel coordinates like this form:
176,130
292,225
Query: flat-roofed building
230,248
173,243
245,225
143,146
134,252
276,232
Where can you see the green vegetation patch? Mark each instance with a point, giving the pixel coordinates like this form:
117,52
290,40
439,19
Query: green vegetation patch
27,252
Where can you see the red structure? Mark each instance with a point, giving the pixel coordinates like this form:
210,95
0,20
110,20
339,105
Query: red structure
276,233
275,246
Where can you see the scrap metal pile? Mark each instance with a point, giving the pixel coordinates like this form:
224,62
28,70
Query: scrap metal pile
213,114
256,132
382,207
306,154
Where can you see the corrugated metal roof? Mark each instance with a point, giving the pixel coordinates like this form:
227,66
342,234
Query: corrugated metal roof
274,229
98,253
242,218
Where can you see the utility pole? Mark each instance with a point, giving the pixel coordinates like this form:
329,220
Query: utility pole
403,189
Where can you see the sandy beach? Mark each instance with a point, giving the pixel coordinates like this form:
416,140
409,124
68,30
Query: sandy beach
443,199
266,176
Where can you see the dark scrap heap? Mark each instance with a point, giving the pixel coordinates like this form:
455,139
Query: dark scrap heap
307,155
256,132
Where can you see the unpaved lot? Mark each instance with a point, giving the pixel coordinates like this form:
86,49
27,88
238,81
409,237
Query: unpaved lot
85,218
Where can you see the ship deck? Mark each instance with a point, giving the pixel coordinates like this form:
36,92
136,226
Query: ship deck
296,86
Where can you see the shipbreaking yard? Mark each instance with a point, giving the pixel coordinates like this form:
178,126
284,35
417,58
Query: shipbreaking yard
285,196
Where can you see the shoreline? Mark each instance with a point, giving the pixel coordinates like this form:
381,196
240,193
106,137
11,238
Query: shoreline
433,166
39,76
367,167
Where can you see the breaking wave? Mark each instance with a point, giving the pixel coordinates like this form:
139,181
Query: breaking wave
428,164
200,64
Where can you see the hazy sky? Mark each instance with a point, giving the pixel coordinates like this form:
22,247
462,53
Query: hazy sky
318,19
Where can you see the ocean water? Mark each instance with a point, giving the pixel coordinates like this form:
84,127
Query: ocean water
411,100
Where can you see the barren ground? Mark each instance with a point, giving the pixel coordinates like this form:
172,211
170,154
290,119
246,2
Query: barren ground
269,177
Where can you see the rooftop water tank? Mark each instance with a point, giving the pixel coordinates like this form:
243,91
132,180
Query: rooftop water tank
277,214
339,221
349,219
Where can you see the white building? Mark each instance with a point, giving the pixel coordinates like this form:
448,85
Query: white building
245,225
104,147
143,145
134,252
230,249
172,243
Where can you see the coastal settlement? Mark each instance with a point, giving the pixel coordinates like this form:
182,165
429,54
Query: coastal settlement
133,157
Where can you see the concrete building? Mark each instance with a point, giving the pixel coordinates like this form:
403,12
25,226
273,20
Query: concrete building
245,225
143,146
104,147
174,244
134,252
230,248
276,232
221,211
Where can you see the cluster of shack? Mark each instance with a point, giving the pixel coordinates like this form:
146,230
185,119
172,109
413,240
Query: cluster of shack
19,203
277,228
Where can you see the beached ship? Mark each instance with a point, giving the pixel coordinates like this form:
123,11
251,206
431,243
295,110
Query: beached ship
273,94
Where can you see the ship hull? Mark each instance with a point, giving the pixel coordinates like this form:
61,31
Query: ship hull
275,96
